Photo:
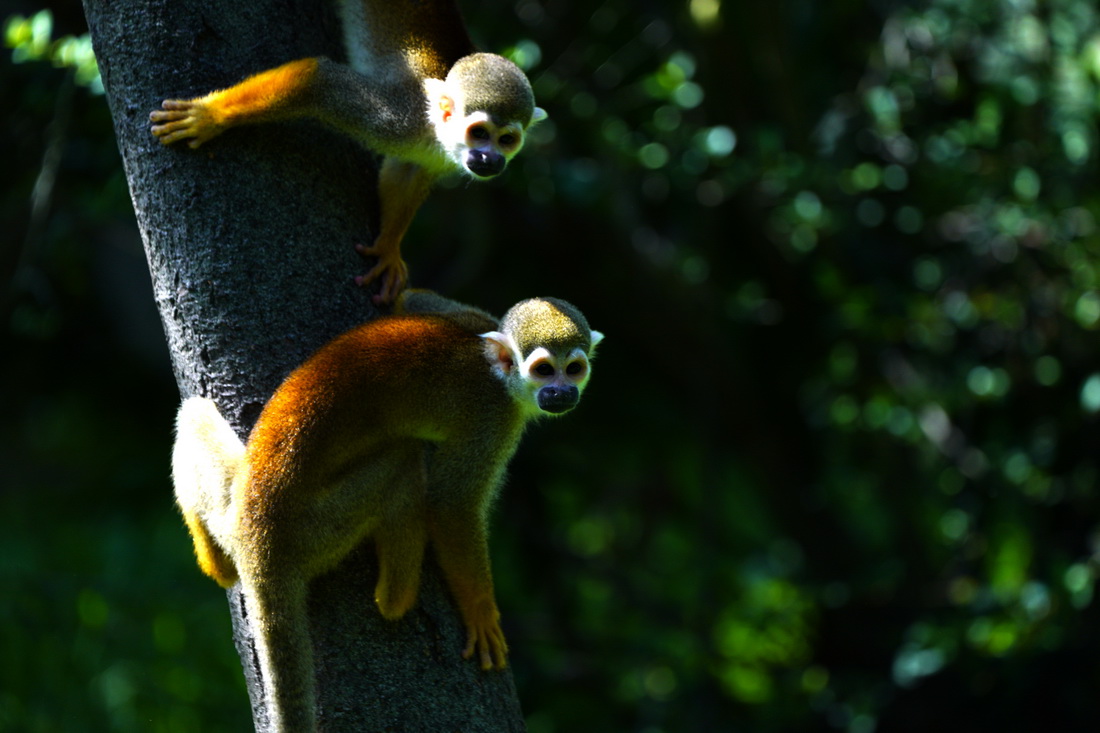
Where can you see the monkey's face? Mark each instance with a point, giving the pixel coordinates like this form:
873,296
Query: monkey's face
481,112
475,143
543,355
555,381
547,382
489,147
480,146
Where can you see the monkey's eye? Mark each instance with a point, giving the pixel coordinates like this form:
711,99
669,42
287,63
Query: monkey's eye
575,369
544,369
479,132
508,140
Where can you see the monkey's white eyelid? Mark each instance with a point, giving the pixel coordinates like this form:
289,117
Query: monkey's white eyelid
510,130
539,354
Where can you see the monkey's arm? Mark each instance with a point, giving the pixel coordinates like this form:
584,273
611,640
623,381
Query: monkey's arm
386,115
458,528
459,539
275,94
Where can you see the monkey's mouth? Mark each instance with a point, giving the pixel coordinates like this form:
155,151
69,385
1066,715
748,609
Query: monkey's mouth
485,163
557,400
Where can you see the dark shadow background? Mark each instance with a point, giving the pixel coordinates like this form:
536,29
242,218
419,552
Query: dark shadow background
837,466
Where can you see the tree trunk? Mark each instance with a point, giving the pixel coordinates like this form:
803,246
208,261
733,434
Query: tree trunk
250,246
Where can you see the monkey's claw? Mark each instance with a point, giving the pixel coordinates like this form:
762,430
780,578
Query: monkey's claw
390,269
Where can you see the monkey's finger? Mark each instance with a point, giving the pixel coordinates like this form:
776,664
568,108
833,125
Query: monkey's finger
387,287
372,274
369,250
471,644
174,126
161,115
169,137
392,285
486,657
177,104
499,648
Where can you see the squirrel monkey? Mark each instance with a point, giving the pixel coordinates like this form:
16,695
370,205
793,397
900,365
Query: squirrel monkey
416,92
399,431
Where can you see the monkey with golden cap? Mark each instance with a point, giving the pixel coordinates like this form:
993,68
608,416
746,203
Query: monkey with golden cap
399,431
416,91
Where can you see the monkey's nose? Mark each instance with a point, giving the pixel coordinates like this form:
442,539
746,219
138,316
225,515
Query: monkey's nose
557,400
485,163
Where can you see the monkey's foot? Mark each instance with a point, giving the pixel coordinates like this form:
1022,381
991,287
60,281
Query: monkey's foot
181,119
390,269
486,639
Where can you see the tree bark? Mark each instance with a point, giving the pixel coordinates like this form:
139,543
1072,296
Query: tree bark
250,247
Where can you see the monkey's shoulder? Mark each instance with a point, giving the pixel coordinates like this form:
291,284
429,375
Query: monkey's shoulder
426,302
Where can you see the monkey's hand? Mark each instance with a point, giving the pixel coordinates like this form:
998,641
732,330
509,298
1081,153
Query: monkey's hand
183,119
484,636
390,269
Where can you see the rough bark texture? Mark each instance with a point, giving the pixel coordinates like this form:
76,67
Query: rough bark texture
250,245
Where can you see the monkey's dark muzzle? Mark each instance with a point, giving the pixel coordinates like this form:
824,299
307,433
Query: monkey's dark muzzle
557,400
485,163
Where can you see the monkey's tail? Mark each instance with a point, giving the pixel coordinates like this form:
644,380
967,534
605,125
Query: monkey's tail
278,617
206,457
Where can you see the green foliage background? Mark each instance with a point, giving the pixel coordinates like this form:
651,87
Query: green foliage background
837,467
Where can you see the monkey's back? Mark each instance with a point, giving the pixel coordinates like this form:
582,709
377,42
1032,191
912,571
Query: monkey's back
429,34
397,378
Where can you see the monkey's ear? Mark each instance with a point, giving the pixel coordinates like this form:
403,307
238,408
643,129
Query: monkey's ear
500,351
597,337
539,115
446,107
440,102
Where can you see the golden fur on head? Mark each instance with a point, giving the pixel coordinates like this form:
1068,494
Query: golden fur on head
495,85
548,322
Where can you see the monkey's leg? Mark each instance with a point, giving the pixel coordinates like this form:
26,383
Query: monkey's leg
400,548
275,94
402,188
401,536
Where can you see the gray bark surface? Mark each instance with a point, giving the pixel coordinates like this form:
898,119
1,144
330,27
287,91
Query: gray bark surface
250,247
